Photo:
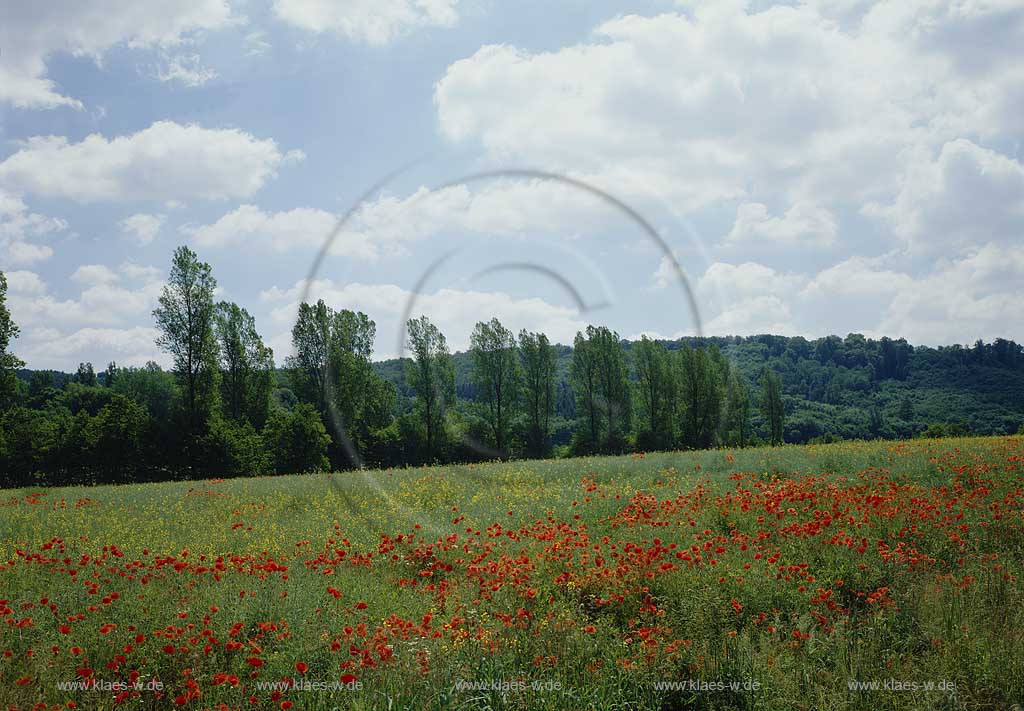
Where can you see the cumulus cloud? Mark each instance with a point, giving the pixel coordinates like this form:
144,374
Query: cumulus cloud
142,226
163,162
52,348
957,301
725,103
965,197
93,274
18,225
24,282
33,32
103,301
374,22
953,301
387,224
802,224
249,225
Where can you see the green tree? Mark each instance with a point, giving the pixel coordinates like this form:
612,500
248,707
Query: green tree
331,368
737,408
297,440
700,396
431,374
771,405
116,436
496,375
656,389
309,367
9,364
537,361
247,365
85,374
583,372
234,447
110,374
906,409
185,317
30,441
598,373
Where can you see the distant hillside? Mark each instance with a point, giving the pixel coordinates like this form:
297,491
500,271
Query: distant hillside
852,387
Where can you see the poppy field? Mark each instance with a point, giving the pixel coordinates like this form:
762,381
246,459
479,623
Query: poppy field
789,577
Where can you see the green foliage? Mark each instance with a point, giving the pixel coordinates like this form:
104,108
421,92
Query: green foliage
736,418
184,318
497,377
247,365
85,374
771,405
603,400
538,362
297,440
9,363
657,394
331,369
235,448
432,377
701,389
30,440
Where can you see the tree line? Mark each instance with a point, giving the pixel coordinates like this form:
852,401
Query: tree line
224,409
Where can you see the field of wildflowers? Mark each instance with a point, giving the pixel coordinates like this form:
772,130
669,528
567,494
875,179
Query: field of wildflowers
793,577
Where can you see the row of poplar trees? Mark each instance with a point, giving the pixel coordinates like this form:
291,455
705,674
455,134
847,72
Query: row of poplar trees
226,409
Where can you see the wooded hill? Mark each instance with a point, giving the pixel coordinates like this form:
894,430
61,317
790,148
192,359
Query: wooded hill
846,388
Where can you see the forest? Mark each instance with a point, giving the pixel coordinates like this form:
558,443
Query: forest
226,408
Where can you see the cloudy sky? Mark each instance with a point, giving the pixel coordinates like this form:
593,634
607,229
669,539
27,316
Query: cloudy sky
830,166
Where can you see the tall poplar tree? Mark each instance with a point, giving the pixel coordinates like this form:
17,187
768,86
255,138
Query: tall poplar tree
431,374
9,363
537,357
185,318
771,405
247,365
497,375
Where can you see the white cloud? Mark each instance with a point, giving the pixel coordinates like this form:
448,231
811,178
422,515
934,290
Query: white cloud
142,226
103,301
746,299
387,224
753,316
256,43
17,225
375,22
51,348
93,274
165,161
737,281
187,69
958,301
33,32
782,105
135,271
802,224
248,225
24,282
965,197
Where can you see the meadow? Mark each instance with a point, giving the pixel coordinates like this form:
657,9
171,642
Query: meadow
774,578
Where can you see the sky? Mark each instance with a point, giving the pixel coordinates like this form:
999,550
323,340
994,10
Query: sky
724,168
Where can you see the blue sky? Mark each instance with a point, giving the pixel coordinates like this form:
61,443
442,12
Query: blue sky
819,167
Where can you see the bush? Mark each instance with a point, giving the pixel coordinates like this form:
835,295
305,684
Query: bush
233,449
297,441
